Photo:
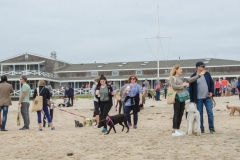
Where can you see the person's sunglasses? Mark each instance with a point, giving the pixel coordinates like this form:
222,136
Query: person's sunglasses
133,78
202,66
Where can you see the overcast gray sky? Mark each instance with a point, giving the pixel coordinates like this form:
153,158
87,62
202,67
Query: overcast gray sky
84,31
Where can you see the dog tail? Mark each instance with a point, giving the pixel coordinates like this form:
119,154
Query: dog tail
228,107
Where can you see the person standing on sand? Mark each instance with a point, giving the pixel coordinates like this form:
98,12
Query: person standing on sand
233,83
25,94
123,96
157,89
95,100
238,86
217,88
201,92
133,100
104,94
165,86
5,100
69,92
224,87
44,92
146,83
114,87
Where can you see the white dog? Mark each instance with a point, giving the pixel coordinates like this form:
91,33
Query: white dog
193,119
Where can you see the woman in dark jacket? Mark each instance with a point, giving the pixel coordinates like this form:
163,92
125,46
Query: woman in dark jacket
104,93
44,92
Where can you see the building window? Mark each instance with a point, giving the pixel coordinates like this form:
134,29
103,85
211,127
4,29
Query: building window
138,72
114,73
94,73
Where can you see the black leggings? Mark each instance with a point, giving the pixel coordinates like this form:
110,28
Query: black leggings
165,93
217,92
105,107
120,107
178,113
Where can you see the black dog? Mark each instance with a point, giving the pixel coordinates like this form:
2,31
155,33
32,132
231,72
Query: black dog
150,96
78,124
112,120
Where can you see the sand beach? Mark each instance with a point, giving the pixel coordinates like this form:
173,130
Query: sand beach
152,139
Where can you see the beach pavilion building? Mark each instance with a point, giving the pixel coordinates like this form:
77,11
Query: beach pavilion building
60,73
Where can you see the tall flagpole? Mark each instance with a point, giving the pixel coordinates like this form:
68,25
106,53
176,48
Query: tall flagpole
158,38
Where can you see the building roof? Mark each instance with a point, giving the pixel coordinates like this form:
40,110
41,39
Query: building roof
141,65
25,62
2,61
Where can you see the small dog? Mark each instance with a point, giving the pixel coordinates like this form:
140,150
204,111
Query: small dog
233,109
150,96
113,120
229,92
88,121
78,124
193,119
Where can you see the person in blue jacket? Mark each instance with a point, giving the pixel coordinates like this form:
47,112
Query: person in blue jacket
69,92
201,92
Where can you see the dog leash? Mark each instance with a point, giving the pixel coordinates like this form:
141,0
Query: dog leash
214,103
71,113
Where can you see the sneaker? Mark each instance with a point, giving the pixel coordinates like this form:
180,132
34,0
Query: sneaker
40,129
104,130
129,124
212,131
176,133
24,128
53,128
135,126
179,131
96,126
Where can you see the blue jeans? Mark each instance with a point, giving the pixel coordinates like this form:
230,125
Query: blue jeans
157,95
4,118
208,104
135,114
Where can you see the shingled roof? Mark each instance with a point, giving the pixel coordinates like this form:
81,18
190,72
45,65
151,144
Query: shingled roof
187,63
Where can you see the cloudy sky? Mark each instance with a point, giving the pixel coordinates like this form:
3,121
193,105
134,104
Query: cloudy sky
83,31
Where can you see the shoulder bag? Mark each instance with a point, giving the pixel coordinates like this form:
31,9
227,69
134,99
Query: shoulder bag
37,103
171,94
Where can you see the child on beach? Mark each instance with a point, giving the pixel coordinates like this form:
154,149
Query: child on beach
65,102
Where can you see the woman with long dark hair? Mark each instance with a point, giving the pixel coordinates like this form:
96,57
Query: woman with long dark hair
104,93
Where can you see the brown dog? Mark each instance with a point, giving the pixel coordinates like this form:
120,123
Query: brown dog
233,109
229,91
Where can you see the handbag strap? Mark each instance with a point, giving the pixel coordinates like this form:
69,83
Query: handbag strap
174,79
38,91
